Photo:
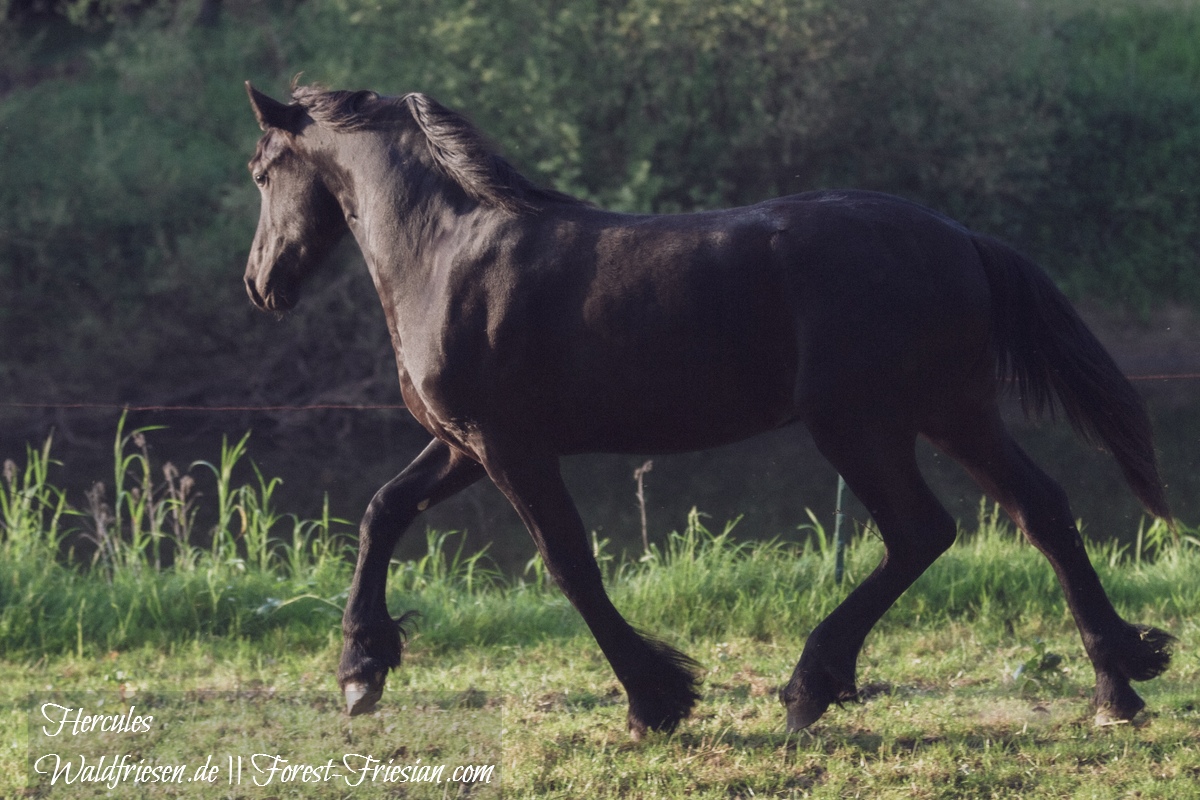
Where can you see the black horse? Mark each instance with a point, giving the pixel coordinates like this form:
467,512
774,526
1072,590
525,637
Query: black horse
528,325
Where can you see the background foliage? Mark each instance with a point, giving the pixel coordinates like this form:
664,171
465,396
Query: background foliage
1070,128
125,213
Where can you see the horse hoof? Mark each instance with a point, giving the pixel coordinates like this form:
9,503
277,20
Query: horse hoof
1108,715
1115,701
808,696
361,697
1105,718
801,715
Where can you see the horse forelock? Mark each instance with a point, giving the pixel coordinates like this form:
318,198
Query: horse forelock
270,146
456,147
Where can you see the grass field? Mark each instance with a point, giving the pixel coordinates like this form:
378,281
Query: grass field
975,684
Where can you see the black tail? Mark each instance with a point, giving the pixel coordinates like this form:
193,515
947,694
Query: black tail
1048,354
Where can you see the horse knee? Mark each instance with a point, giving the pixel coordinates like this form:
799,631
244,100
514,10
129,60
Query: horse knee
389,512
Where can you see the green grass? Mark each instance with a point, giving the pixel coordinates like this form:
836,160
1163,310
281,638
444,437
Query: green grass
976,684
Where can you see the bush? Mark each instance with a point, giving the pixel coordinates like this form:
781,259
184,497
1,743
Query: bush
125,213
1121,217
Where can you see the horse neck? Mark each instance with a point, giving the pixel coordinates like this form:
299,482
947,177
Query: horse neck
398,208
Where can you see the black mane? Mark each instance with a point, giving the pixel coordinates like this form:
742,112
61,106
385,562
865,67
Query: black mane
458,149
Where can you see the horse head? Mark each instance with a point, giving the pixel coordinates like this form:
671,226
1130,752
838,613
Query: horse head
300,220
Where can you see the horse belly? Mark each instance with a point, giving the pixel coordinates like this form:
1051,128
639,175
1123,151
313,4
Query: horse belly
639,429
667,395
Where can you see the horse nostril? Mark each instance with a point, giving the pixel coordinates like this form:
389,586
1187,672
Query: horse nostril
252,290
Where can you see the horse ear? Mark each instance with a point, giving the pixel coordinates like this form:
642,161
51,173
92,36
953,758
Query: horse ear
271,113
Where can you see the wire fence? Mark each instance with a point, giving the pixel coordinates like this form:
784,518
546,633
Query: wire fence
163,407
153,407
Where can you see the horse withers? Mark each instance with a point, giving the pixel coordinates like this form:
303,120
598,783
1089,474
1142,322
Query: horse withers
528,325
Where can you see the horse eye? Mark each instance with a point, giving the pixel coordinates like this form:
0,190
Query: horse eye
260,178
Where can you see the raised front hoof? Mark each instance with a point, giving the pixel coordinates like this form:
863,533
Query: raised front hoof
362,683
367,655
809,695
362,696
804,712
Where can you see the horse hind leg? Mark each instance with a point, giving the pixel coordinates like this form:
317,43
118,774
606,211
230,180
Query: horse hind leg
1119,651
881,469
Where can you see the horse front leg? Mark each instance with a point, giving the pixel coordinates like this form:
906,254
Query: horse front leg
661,682
372,640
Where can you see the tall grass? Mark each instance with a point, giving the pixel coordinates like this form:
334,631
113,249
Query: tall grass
707,584
130,566
152,577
